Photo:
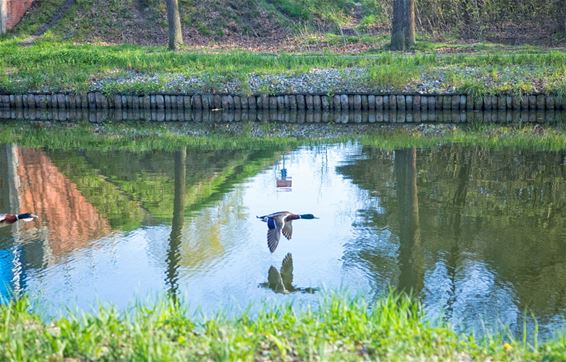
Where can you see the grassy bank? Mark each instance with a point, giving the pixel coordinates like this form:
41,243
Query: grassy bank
284,23
392,329
248,135
144,22
59,66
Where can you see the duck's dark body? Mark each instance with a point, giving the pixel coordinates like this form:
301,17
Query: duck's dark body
12,218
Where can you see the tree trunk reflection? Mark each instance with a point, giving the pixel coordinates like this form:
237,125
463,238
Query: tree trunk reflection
464,167
410,258
173,254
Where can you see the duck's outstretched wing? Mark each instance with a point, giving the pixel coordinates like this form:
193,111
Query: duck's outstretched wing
274,280
273,239
2,217
287,271
274,226
288,229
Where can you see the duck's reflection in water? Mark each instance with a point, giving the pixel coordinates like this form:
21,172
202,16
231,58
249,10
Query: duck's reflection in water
281,281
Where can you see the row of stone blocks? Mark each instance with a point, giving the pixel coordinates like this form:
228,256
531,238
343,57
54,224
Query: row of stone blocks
357,102
285,116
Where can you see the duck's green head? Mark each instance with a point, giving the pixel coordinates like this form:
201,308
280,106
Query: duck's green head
308,216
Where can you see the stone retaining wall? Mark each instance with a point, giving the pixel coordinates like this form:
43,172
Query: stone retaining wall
343,102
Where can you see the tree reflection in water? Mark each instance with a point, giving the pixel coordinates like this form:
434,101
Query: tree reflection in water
90,200
173,253
471,231
476,233
410,255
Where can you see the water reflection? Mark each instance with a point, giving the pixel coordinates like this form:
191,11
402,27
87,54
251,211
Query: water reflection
281,281
474,231
410,255
284,116
173,254
66,218
477,234
85,197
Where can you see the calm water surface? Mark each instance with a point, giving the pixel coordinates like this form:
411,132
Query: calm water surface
479,235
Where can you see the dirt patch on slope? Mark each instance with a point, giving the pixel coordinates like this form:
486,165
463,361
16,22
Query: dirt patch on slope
233,24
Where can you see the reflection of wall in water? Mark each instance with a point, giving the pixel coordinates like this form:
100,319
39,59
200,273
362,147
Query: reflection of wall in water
68,221
287,116
30,182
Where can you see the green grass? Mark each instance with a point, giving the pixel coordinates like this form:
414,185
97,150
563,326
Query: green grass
514,136
142,137
120,20
372,42
132,137
394,328
56,66
269,21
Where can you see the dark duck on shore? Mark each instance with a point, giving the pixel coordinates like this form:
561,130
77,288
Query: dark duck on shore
6,219
281,222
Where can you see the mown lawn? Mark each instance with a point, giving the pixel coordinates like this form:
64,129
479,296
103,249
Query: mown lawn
64,66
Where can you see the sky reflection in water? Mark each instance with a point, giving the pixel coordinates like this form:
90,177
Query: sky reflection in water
477,234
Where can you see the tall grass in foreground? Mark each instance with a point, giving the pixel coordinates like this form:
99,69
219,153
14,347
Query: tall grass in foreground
340,329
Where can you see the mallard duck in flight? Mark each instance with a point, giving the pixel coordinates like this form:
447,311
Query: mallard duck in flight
281,223
6,219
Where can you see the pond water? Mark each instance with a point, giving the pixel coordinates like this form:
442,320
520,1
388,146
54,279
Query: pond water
478,235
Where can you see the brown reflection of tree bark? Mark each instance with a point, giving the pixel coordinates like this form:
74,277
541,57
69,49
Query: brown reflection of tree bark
410,255
70,220
173,254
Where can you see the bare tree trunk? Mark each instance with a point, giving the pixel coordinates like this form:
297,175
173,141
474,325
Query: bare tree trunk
403,26
3,16
561,16
397,26
174,21
410,24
